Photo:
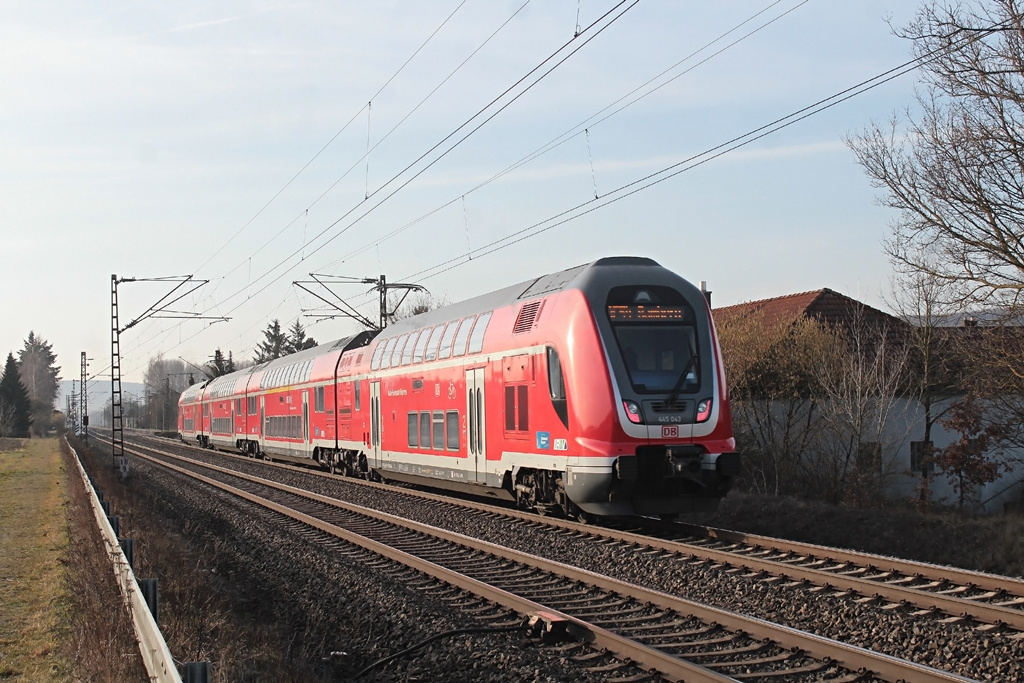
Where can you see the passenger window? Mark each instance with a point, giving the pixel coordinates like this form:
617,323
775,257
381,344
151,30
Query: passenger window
476,342
510,408
446,340
424,430
389,348
462,337
452,429
431,351
439,431
421,345
407,353
523,405
414,430
396,356
556,386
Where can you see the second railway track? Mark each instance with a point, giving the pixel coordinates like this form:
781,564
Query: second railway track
679,638
948,593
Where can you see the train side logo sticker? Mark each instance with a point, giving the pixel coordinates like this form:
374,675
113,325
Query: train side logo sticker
543,440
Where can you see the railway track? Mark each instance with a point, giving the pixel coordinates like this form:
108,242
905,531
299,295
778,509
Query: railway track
678,638
949,594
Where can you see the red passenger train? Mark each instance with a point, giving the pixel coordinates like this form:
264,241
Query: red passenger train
598,390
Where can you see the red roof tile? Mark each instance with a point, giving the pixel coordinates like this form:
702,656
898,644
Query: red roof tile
825,305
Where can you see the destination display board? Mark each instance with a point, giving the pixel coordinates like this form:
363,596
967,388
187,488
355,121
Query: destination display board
647,313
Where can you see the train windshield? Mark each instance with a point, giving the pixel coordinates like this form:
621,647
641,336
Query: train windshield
656,335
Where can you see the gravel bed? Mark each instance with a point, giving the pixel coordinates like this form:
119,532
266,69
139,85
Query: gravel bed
324,593
953,647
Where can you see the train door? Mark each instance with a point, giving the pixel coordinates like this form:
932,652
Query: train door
476,423
305,419
262,431
376,425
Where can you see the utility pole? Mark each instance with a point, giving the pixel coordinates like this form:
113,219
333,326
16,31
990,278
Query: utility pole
158,310
386,313
85,399
167,399
116,417
73,409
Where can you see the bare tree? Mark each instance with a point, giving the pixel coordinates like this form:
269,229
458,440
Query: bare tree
165,379
815,407
7,418
955,169
421,303
935,354
863,409
774,390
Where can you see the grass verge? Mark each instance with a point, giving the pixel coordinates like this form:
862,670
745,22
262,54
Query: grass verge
34,599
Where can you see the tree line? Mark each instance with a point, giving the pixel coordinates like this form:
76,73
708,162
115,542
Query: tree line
28,389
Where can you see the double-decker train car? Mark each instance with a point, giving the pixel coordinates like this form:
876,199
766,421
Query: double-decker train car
597,390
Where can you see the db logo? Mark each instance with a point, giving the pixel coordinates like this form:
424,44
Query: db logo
669,432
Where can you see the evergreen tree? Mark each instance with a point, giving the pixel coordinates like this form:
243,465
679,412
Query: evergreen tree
220,365
274,344
41,377
15,404
297,339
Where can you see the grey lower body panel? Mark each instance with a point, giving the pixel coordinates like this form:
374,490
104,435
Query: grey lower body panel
442,478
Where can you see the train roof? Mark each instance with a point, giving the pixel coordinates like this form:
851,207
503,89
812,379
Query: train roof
227,385
570,278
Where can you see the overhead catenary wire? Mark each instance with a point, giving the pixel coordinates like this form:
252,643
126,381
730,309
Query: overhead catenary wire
354,117
473,253
691,162
370,149
579,128
608,18
249,293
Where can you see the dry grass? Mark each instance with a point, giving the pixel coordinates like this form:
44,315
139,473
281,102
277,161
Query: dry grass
206,612
34,600
101,640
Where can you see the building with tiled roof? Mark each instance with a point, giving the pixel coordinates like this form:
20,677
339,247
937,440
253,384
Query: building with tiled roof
825,305
906,421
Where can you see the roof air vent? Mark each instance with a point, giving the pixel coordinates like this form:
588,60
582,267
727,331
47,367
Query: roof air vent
527,316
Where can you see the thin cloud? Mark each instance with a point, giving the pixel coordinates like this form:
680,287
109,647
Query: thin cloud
215,22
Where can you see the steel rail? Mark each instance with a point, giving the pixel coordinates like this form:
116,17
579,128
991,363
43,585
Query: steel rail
925,600
849,656
965,577
646,657
950,604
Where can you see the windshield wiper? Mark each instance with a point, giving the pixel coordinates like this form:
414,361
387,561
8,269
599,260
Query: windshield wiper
682,376
679,383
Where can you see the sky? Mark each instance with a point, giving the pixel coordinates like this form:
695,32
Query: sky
228,141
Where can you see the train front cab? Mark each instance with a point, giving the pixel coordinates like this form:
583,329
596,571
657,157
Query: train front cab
664,446
190,423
